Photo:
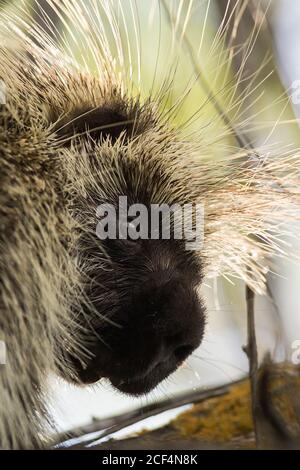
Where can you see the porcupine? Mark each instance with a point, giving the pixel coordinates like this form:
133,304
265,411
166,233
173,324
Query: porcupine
72,138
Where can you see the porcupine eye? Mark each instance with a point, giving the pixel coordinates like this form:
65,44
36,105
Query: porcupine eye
99,123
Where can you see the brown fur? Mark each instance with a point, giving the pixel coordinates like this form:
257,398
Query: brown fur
50,185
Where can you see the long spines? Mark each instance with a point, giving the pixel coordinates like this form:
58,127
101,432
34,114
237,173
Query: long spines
39,280
65,76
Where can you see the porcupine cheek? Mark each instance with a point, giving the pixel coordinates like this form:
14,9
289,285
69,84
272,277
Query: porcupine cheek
157,332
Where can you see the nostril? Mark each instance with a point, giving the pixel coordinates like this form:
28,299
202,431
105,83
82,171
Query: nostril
182,352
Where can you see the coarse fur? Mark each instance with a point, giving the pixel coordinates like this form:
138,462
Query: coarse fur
72,138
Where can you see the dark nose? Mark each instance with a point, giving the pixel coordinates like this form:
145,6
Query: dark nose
160,324
174,350
180,349
177,325
167,326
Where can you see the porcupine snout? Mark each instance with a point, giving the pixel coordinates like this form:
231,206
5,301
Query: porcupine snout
157,327
167,326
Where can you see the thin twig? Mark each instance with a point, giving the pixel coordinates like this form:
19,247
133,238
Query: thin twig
115,423
251,351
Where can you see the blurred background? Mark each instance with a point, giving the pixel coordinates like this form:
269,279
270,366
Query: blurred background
249,54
